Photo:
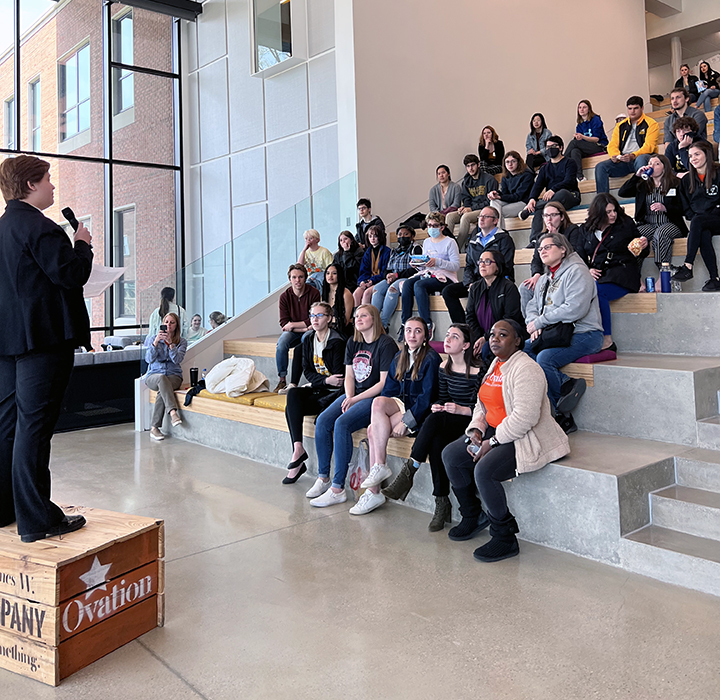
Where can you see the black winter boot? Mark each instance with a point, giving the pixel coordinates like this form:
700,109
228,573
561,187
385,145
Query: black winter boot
474,520
443,514
400,487
503,544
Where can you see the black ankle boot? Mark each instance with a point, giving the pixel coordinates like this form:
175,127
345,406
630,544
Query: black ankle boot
503,544
474,520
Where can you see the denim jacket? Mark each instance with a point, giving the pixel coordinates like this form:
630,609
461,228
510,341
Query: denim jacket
163,359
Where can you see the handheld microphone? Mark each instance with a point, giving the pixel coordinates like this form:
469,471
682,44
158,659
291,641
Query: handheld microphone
70,216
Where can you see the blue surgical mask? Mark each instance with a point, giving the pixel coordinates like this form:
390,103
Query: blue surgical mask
433,231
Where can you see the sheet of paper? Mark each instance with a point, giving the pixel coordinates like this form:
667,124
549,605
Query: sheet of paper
101,278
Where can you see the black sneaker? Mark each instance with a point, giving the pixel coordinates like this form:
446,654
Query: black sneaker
683,274
712,285
401,334
523,214
566,422
570,394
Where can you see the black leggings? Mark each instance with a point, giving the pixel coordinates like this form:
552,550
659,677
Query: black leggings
301,402
437,431
496,466
702,229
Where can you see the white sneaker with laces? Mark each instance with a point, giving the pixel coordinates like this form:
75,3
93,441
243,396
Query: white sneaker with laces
329,498
368,502
318,488
378,474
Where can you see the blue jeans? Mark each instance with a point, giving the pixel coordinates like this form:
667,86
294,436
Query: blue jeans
316,280
608,292
716,124
552,359
385,299
607,169
333,423
703,103
287,340
419,289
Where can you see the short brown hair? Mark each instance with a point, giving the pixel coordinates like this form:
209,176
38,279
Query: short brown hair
437,216
683,90
685,123
15,173
297,266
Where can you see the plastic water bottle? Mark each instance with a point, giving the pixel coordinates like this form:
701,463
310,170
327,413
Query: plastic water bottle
665,282
204,372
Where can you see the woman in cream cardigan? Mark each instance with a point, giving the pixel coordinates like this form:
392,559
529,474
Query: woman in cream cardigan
511,432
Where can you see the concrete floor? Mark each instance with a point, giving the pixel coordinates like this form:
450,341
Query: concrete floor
269,598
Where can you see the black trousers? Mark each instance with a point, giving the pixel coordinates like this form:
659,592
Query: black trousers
301,402
452,294
534,160
496,466
32,388
702,229
437,431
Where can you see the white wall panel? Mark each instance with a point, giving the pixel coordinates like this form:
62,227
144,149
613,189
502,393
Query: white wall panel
248,217
214,127
192,119
286,103
211,32
248,177
324,157
193,220
322,90
189,47
216,205
288,173
321,25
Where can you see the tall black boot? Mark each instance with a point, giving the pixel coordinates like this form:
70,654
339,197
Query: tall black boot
474,520
503,544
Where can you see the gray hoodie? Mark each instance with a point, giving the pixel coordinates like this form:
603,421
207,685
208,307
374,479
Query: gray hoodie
571,298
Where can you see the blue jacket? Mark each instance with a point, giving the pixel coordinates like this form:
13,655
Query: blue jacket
594,128
163,359
516,188
419,395
366,265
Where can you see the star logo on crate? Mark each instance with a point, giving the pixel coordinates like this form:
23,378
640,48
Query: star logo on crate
95,576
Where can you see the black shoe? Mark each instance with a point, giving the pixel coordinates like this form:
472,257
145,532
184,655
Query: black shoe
612,348
401,334
69,523
297,462
570,394
503,543
468,528
683,274
566,422
289,480
523,214
712,285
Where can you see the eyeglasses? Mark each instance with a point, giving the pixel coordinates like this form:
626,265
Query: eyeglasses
487,216
489,261
547,247
551,214
318,315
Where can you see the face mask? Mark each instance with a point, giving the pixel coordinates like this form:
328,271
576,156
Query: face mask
404,242
553,151
433,232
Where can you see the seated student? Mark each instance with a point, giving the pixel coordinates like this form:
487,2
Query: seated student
491,151
349,256
340,300
700,193
488,236
685,130
680,103
458,382
511,433
386,293
633,141
688,81
658,206
491,299
515,187
535,143
315,258
368,356
295,303
323,355
590,138
216,318
445,196
409,392
364,208
709,79
373,265
566,293
196,330
558,178
476,186
440,269
614,251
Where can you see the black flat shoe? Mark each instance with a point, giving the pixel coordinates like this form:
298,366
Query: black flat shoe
612,348
69,523
288,480
297,462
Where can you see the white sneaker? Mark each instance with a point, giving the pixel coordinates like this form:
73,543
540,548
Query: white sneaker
318,488
378,474
369,501
329,498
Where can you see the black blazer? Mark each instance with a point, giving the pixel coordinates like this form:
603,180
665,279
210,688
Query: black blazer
42,275
638,188
504,300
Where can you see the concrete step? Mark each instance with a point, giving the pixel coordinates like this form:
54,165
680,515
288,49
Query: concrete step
699,469
689,510
674,557
708,432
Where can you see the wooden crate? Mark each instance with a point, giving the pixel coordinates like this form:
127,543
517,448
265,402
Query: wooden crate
66,602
